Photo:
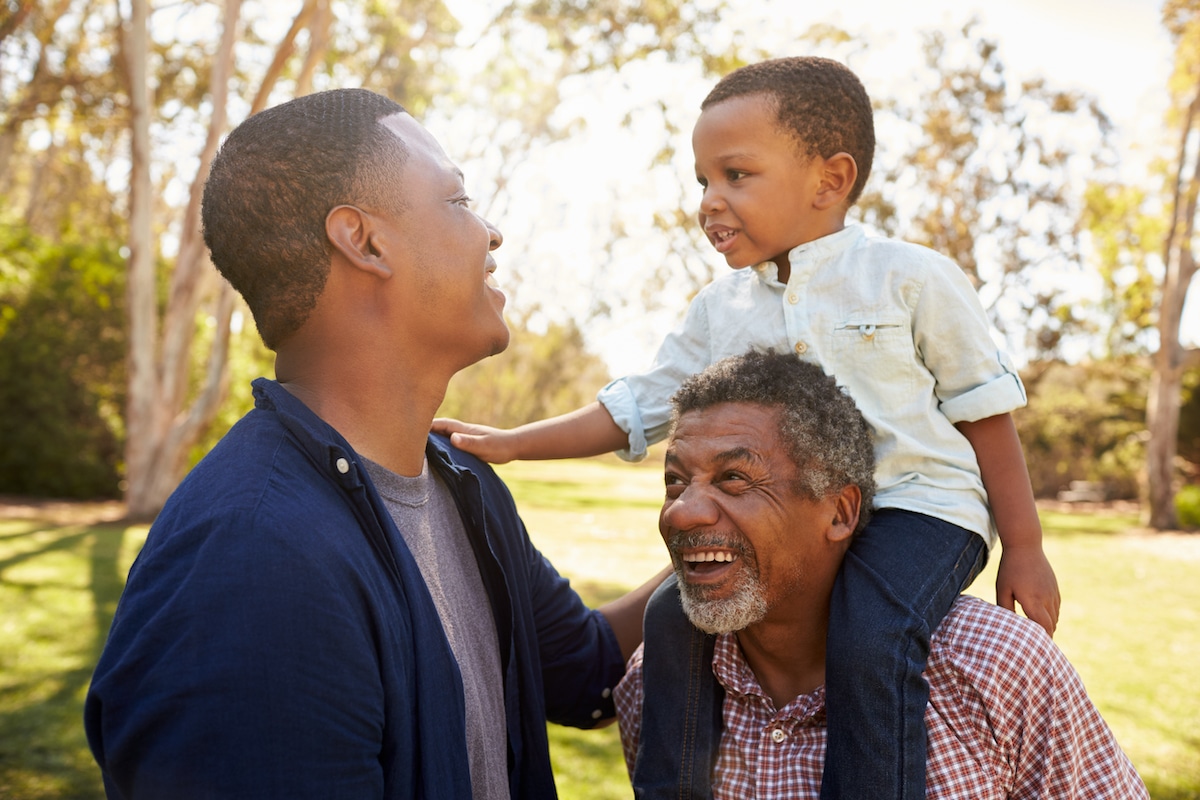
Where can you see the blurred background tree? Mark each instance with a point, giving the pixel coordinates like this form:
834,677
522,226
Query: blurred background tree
110,113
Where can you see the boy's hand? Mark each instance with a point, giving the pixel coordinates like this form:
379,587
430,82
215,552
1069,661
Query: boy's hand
494,445
1025,576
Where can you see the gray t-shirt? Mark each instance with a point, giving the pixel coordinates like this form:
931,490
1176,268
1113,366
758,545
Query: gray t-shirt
425,512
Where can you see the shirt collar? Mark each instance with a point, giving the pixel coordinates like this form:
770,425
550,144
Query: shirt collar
805,258
735,676
323,444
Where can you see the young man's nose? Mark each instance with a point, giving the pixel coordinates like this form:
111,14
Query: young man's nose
496,237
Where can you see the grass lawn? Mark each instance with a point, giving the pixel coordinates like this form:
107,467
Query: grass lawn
1130,623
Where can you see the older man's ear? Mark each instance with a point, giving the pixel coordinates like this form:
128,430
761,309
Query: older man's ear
845,518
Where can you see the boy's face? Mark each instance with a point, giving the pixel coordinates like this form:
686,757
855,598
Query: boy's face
759,189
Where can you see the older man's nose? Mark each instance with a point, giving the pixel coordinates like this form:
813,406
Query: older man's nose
693,508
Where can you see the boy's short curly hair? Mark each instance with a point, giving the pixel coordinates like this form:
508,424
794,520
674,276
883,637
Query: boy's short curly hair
820,102
274,181
827,437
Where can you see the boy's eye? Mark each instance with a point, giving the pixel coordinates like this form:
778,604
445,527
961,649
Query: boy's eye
735,174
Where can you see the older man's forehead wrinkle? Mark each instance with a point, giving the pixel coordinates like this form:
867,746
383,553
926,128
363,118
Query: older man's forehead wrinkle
739,454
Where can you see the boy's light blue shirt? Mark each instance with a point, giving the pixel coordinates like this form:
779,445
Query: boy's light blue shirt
898,325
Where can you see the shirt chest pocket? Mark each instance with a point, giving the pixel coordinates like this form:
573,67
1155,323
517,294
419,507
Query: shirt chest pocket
876,346
873,330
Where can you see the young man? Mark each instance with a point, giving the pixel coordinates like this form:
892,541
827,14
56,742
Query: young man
333,603
769,477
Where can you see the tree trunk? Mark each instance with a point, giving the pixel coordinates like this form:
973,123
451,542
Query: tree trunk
143,416
1162,405
160,424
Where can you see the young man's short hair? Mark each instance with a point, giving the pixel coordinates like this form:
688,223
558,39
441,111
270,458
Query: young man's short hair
275,180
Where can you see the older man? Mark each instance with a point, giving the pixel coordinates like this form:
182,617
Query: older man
334,603
768,477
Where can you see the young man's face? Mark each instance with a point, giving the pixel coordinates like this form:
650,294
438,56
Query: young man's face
744,541
759,188
443,251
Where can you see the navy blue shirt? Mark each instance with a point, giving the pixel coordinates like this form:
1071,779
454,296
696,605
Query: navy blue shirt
275,637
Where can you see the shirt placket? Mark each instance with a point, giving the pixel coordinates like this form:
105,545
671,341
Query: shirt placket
795,312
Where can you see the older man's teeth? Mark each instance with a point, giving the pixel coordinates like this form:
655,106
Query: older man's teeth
490,280
712,555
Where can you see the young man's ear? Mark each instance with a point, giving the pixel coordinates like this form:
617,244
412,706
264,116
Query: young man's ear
846,511
352,233
840,173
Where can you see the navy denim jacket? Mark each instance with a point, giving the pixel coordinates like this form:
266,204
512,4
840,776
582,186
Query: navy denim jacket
275,637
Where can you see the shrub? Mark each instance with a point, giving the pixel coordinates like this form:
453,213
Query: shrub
1187,506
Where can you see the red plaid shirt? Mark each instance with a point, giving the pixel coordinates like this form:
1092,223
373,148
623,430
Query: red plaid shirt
1008,717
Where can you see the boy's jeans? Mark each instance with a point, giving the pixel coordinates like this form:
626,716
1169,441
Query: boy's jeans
877,647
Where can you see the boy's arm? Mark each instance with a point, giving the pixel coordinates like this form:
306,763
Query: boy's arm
1024,575
588,431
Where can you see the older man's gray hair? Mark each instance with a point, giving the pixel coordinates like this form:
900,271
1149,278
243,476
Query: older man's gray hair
827,438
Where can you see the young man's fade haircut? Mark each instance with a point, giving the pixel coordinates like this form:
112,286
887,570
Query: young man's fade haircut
827,437
818,101
273,183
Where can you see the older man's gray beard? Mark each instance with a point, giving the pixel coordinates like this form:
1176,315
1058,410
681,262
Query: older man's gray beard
746,605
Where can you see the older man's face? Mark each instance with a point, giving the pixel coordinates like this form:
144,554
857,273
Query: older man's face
741,537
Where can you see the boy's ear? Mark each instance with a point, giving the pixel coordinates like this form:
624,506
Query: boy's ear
352,233
841,171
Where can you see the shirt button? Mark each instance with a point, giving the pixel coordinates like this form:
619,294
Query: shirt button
343,466
801,348
607,693
778,735
793,298
597,714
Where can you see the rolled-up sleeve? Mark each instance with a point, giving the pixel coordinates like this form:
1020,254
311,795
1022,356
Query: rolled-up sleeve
641,404
975,379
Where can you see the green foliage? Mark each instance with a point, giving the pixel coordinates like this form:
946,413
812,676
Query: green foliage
1187,506
1126,235
1084,422
1189,420
249,358
990,177
539,375
62,371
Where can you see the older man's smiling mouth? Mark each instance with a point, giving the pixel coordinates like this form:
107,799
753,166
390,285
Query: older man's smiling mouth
708,564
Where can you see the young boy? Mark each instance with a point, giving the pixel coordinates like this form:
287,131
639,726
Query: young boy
782,151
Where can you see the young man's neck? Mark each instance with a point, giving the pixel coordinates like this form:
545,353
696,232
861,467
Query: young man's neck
383,412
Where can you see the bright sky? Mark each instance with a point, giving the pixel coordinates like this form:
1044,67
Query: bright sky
1114,49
